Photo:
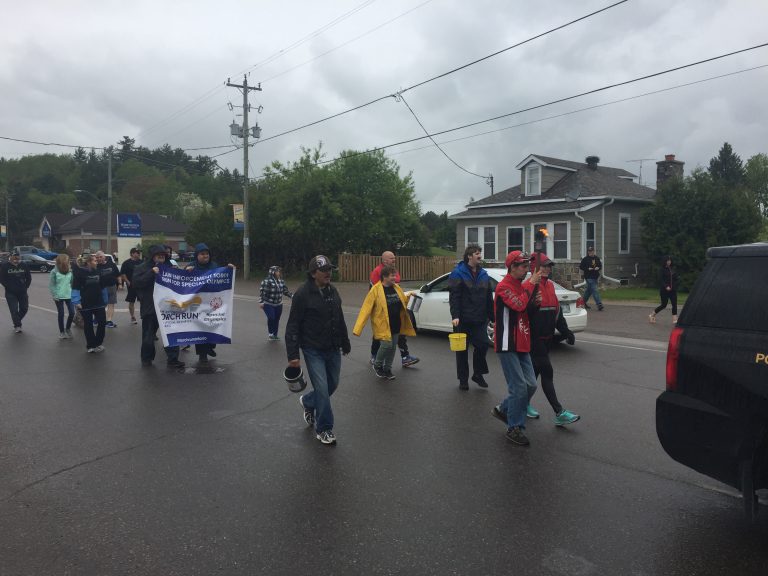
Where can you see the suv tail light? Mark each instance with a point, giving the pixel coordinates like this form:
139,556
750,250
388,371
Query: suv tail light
673,355
579,302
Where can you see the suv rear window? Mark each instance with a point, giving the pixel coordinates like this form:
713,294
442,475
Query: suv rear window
733,295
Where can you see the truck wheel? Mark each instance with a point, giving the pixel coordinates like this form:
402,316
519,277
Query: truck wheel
747,474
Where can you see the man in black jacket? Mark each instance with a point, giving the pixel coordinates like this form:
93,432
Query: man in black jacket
90,281
590,267
144,284
316,326
15,277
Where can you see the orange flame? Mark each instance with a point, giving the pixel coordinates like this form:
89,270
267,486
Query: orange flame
544,232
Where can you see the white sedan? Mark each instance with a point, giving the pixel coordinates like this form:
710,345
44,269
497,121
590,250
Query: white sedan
435,313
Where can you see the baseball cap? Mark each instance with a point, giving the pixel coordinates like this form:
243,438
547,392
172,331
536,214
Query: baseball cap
517,257
543,260
321,262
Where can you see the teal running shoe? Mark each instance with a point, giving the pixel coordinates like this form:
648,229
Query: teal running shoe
565,418
531,412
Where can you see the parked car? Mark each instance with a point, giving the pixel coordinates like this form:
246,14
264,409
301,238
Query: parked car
4,256
713,416
37,263
435,313
47,254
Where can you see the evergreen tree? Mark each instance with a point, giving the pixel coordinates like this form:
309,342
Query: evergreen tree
727,167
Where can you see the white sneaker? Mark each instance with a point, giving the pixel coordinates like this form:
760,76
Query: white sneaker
63,336
99,349
91,350
327,437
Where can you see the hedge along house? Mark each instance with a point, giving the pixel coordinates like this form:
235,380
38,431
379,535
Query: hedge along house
579,205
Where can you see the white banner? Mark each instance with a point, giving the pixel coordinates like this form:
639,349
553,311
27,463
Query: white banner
194,307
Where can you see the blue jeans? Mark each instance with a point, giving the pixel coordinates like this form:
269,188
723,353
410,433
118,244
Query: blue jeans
592,291
70,310
521,383
273,313
323,367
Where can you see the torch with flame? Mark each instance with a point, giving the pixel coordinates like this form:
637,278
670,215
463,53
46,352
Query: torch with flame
538,244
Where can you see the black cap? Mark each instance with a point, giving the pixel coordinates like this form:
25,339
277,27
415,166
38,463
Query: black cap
321,262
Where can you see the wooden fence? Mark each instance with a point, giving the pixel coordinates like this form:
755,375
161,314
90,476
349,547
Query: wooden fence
357,267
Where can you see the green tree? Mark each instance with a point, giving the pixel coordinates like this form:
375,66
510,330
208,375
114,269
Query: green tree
756,177
727,167
693,214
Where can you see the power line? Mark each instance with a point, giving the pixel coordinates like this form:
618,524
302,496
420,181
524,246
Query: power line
435,143
374,101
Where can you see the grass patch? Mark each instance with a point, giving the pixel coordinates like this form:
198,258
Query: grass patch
649,295
437,251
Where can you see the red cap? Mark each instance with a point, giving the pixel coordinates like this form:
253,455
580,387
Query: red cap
543,259
516,257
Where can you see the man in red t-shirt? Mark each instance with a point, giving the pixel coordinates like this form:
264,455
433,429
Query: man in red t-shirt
388,259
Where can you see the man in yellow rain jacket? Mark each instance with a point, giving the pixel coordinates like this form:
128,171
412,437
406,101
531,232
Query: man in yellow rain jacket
385,304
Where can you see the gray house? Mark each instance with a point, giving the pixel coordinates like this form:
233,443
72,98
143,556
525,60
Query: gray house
579,205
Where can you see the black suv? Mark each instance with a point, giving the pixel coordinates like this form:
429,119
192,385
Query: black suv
713,416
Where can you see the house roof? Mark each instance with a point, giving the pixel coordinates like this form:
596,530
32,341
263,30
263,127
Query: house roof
96,223
579,189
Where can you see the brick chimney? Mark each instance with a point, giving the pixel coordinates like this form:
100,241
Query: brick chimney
667,169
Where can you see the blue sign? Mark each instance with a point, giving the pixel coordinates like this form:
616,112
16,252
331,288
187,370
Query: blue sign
46,231
129,225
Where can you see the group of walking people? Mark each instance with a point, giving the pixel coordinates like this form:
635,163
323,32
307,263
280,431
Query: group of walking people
524,313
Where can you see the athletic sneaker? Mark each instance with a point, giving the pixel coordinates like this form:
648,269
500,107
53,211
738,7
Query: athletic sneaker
531,412
497,412
565,418
373,359
111,324
133,320
309,416
273,338
379,371
99,348
517,436
175,364
409,360
91,350
17,329
63,336
69,334
327,437
388,375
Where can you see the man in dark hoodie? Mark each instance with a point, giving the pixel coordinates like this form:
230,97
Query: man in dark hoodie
90,281
471,303
15,277
144,284
202,262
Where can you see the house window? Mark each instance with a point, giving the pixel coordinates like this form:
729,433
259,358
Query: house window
589,236
560,240
624,230
485,237
514,238
94,245
534,229
533,180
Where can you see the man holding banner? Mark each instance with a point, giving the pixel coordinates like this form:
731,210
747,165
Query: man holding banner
144,283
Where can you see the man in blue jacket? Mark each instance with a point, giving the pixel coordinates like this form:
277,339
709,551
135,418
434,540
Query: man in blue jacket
15,278
471,303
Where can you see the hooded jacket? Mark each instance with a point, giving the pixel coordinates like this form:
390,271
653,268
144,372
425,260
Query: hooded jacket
90,283
375,308
16,279
316,321
514,299
470,295
60,285
144,281
272,289
203,247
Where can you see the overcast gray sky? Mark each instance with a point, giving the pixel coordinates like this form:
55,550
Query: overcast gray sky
87,73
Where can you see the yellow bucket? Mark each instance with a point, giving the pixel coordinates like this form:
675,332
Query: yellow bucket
458,341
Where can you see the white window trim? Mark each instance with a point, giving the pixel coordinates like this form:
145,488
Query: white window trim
507,237
528,169
549,243
584,238
481,238
629,232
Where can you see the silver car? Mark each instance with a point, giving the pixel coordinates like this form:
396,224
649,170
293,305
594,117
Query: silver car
434,313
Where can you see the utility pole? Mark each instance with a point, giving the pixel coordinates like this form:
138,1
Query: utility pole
7,223
243,133
109,201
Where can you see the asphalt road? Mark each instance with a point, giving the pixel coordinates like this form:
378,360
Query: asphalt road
108,468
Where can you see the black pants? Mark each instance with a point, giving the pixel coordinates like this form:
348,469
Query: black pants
478,337
402,343
543,367
94,339
205,349
149,326
667,297
18,304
